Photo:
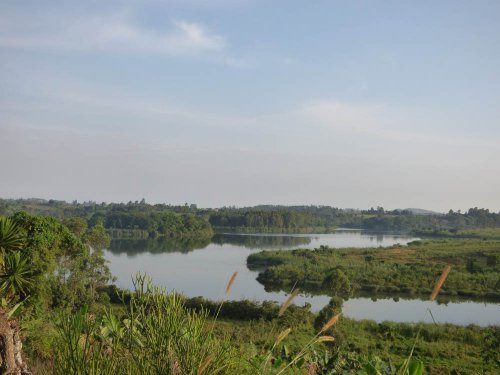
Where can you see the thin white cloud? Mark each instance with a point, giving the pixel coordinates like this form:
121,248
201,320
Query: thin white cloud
114,33
331,120
381,121
344,115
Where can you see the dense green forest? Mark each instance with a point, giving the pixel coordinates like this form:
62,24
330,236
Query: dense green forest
131,220
141,220
280,220
373,219
57,298
396,270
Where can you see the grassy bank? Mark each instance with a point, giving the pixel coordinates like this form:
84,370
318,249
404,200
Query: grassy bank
479,233
443,348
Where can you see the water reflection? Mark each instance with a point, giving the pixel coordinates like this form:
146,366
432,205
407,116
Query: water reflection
378,237
261,241
157,245
414,310
341,238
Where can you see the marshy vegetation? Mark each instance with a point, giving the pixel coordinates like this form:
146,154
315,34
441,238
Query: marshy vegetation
396,270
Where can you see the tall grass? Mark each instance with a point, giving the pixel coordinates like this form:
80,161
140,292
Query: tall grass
410,366
157,335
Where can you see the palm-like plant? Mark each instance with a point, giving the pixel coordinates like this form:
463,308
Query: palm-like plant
15,272
15,278
10,236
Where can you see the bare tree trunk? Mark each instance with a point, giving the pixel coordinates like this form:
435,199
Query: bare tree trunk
11,360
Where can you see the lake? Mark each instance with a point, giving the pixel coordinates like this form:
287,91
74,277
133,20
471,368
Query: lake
203,268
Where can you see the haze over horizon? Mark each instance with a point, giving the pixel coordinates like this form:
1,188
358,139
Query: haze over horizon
351,104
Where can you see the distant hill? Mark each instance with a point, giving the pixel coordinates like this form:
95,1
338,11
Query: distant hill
419,211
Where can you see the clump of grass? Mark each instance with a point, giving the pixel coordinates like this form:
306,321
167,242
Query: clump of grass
157,335
318,338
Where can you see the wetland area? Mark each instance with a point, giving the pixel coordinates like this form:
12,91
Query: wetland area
203,268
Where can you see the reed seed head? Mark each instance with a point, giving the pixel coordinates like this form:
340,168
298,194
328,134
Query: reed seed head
440,282
326,338
288,301
205,364
330,323
230,283
282,335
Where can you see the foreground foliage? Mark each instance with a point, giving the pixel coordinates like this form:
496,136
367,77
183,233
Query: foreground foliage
156,335
43,266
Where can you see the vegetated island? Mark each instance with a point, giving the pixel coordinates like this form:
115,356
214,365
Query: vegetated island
391,271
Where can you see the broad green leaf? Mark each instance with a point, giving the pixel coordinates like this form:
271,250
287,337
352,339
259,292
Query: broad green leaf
416,368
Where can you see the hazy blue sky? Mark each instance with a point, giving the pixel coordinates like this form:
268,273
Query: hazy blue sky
220,102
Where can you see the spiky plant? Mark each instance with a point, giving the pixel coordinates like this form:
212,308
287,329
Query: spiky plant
10,238
16,275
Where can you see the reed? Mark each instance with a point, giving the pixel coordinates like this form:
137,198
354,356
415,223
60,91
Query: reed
326,339
330,323
205,363
440,282
230,283
282,335
288,301
316,339
228,290
280,338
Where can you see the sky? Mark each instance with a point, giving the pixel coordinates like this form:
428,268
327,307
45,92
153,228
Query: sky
353,104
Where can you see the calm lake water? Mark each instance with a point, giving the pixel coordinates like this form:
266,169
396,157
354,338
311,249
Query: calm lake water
198,268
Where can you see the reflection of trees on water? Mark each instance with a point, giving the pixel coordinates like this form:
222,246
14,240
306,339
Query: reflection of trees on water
184,245
158,245
386,235
310,290
261,241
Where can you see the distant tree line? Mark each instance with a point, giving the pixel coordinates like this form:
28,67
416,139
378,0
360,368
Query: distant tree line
278,220
142,220
375,219
132,219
